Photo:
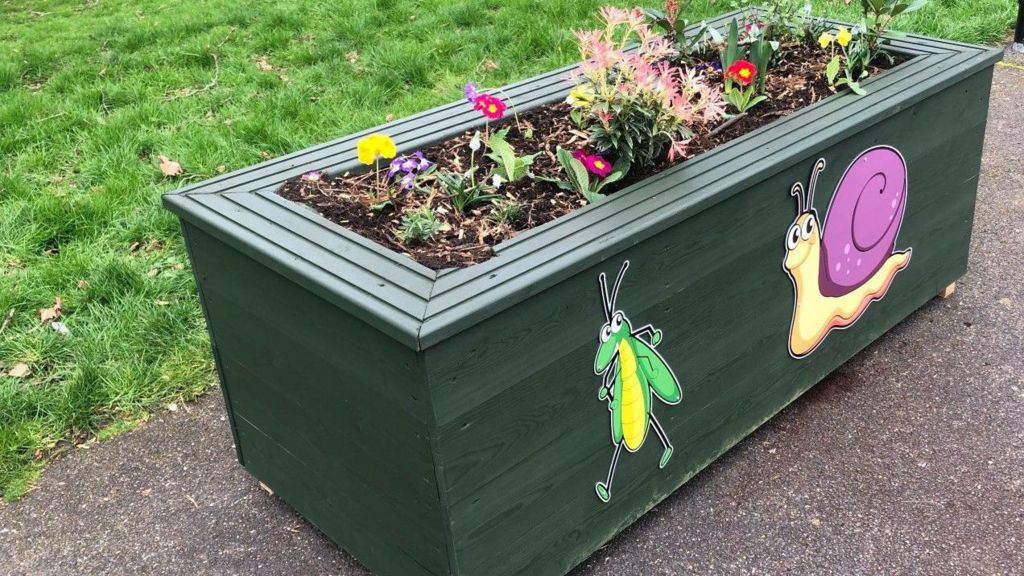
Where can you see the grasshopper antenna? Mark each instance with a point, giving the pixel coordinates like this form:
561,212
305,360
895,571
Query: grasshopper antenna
602,282
615,290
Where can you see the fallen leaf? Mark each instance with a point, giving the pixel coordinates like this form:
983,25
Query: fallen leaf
352,56
52,313
20,370
266,155
162,303
134,246
489,65
7,321
389,118
283,77
170,167
82,284
179,266
221,169
263,64
152,273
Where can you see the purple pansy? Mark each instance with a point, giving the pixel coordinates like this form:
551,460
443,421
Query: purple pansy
410,166
471,91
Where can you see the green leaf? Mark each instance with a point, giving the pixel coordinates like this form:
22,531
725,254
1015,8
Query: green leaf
832,70
856,88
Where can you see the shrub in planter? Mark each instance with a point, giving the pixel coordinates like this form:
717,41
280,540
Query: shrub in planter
484,339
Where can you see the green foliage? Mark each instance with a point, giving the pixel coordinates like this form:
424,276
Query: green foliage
579,180
509,166
464,190
418,226
505,212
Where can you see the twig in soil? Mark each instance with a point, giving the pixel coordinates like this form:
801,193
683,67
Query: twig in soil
718,129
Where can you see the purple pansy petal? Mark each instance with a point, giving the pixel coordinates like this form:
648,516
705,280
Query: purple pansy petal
408,181
471,91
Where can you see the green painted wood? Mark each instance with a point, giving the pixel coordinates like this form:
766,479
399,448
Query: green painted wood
344,400
522,435
448,422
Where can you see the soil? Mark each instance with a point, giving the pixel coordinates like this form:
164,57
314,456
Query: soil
795,81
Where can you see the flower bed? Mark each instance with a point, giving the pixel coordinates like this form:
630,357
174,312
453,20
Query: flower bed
448,204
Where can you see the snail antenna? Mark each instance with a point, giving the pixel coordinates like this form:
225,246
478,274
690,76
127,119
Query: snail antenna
819,167
602,282
618,283
798,191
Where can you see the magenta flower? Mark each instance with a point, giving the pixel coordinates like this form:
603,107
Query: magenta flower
490,106
597,165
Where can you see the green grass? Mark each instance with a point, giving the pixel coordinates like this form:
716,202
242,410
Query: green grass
92,92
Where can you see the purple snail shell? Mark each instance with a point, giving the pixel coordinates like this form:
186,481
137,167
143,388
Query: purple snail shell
863,220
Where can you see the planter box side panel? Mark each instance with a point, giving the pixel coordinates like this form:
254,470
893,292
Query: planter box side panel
523,437
329,412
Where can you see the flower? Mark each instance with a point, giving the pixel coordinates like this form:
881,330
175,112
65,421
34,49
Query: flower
408,181
755,27
411,164
471,91
490,106
742,71
844,36
677,150
597,165
497,181
712,67
312,176
581,96
580,154
474,142
375,146
825,39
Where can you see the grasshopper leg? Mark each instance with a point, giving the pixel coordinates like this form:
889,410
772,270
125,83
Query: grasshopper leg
604,489
667,454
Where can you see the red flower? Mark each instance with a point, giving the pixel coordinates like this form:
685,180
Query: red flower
597,165
489,106
741,71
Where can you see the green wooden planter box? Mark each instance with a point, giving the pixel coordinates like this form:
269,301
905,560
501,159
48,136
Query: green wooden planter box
450,422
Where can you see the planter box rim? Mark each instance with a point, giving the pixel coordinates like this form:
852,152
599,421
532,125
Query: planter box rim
420,307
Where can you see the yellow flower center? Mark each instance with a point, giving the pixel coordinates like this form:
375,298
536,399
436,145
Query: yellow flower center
492,108
598,164
745,73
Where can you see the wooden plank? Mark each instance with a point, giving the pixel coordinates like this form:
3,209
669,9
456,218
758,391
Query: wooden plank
310,493
533,458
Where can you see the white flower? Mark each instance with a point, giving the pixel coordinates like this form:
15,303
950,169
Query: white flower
497,181
474,144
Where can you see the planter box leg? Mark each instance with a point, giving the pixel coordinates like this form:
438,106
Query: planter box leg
948,291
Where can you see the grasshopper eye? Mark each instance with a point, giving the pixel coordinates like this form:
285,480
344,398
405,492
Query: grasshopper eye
793,238
616,323
606,332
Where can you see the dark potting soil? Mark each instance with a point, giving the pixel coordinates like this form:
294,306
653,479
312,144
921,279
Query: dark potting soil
465,238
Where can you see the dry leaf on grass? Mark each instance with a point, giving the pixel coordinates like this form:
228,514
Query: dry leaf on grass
20,370
169,167
52,313
263,64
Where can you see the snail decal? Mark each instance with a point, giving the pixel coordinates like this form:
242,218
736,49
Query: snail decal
840,267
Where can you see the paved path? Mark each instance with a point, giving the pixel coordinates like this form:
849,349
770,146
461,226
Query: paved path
907,460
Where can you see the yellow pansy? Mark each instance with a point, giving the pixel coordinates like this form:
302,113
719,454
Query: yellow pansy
375,146
825,39
844,36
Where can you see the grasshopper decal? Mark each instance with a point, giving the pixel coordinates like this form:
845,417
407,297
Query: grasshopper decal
631,369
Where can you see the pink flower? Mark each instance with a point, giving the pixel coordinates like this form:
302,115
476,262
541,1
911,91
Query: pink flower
605,117
490,106
580,154
312,176
597,165
613,16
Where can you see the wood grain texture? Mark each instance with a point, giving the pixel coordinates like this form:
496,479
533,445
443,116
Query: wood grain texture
448,422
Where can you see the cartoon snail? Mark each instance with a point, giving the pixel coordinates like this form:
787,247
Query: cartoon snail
838,270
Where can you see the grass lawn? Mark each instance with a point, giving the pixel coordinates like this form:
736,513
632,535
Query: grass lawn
93,92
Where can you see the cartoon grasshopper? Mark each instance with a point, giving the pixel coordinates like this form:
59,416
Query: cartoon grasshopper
631,369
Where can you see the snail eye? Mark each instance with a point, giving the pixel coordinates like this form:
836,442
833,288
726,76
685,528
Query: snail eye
808,228
794,237
606,333
616,322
